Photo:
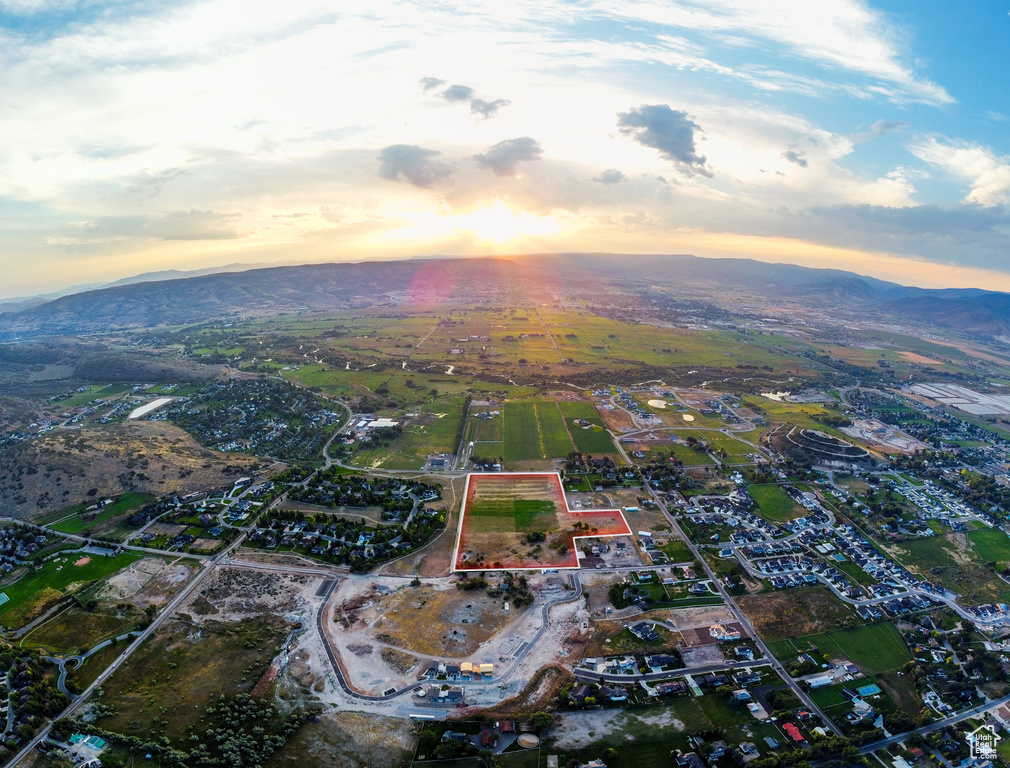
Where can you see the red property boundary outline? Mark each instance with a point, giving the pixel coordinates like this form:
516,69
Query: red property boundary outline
619,515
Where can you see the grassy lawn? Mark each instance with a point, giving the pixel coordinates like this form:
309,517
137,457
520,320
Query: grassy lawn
125,503
774,503
854,572
690,457
35,591
991,544
622,641
873,648
677,551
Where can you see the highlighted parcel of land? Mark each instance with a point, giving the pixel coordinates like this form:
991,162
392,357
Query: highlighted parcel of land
522,521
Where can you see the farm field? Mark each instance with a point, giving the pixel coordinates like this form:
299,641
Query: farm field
36,591
774,503
486,430
523,521
873,648
534,429
593,440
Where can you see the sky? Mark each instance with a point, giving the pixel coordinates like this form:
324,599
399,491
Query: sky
138,135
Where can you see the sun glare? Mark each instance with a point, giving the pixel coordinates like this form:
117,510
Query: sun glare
496,223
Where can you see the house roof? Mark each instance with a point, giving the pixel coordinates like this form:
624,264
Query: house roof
793,731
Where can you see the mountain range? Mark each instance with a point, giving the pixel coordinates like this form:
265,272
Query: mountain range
182,298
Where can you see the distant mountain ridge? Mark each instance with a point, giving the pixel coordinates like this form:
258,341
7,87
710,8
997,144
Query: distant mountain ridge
181,299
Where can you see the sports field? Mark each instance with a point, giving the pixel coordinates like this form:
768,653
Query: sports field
521,520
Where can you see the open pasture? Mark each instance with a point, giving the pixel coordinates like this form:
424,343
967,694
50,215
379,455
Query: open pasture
534,429
522,521
872,647
593,439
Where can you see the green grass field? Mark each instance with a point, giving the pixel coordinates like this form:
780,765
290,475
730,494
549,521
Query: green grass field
774,503
594,440
125,503
990,545
690,457
874,648
639,743
35,590
677,551
512,515
486,430
434,431
534,429
75,628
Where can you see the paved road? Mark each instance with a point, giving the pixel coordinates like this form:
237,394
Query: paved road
963,715
166,612
588,676
741,618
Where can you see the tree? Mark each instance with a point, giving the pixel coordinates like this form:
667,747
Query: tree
541,720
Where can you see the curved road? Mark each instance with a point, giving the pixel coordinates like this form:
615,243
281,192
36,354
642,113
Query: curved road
346,688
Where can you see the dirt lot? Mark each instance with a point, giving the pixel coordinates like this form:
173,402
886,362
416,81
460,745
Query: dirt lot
432,619
797,612
702,636
166,529
151,581
595,586
349,740
617,420
702,616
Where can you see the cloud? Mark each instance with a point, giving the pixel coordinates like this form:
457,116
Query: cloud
149,184
611,176
176,225
430,83
986,172
487,109
504,156
458,93
415,164
882,127
794,157
667,130
834,34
